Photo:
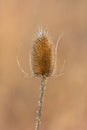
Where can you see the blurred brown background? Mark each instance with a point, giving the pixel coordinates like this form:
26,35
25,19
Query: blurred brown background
65,106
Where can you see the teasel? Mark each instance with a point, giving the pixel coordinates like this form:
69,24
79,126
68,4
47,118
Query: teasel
43,63
43,58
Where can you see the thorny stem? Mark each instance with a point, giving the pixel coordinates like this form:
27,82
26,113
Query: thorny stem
41,101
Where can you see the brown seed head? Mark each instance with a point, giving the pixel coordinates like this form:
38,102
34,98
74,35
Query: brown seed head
42,56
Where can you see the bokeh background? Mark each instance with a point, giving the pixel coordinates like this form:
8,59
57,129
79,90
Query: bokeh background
65,106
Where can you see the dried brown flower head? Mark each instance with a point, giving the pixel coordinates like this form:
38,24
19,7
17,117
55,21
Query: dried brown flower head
42,55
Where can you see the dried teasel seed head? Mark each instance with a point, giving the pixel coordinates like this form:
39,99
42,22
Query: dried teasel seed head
42,55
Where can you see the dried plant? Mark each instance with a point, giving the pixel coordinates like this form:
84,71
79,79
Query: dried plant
43,63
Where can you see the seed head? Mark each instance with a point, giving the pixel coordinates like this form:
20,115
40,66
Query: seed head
42,55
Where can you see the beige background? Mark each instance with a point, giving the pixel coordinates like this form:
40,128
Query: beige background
65,106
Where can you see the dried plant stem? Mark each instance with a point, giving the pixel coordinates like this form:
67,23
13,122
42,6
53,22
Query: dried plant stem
41,101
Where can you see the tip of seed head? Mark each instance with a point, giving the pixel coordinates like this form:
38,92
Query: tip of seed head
42,32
